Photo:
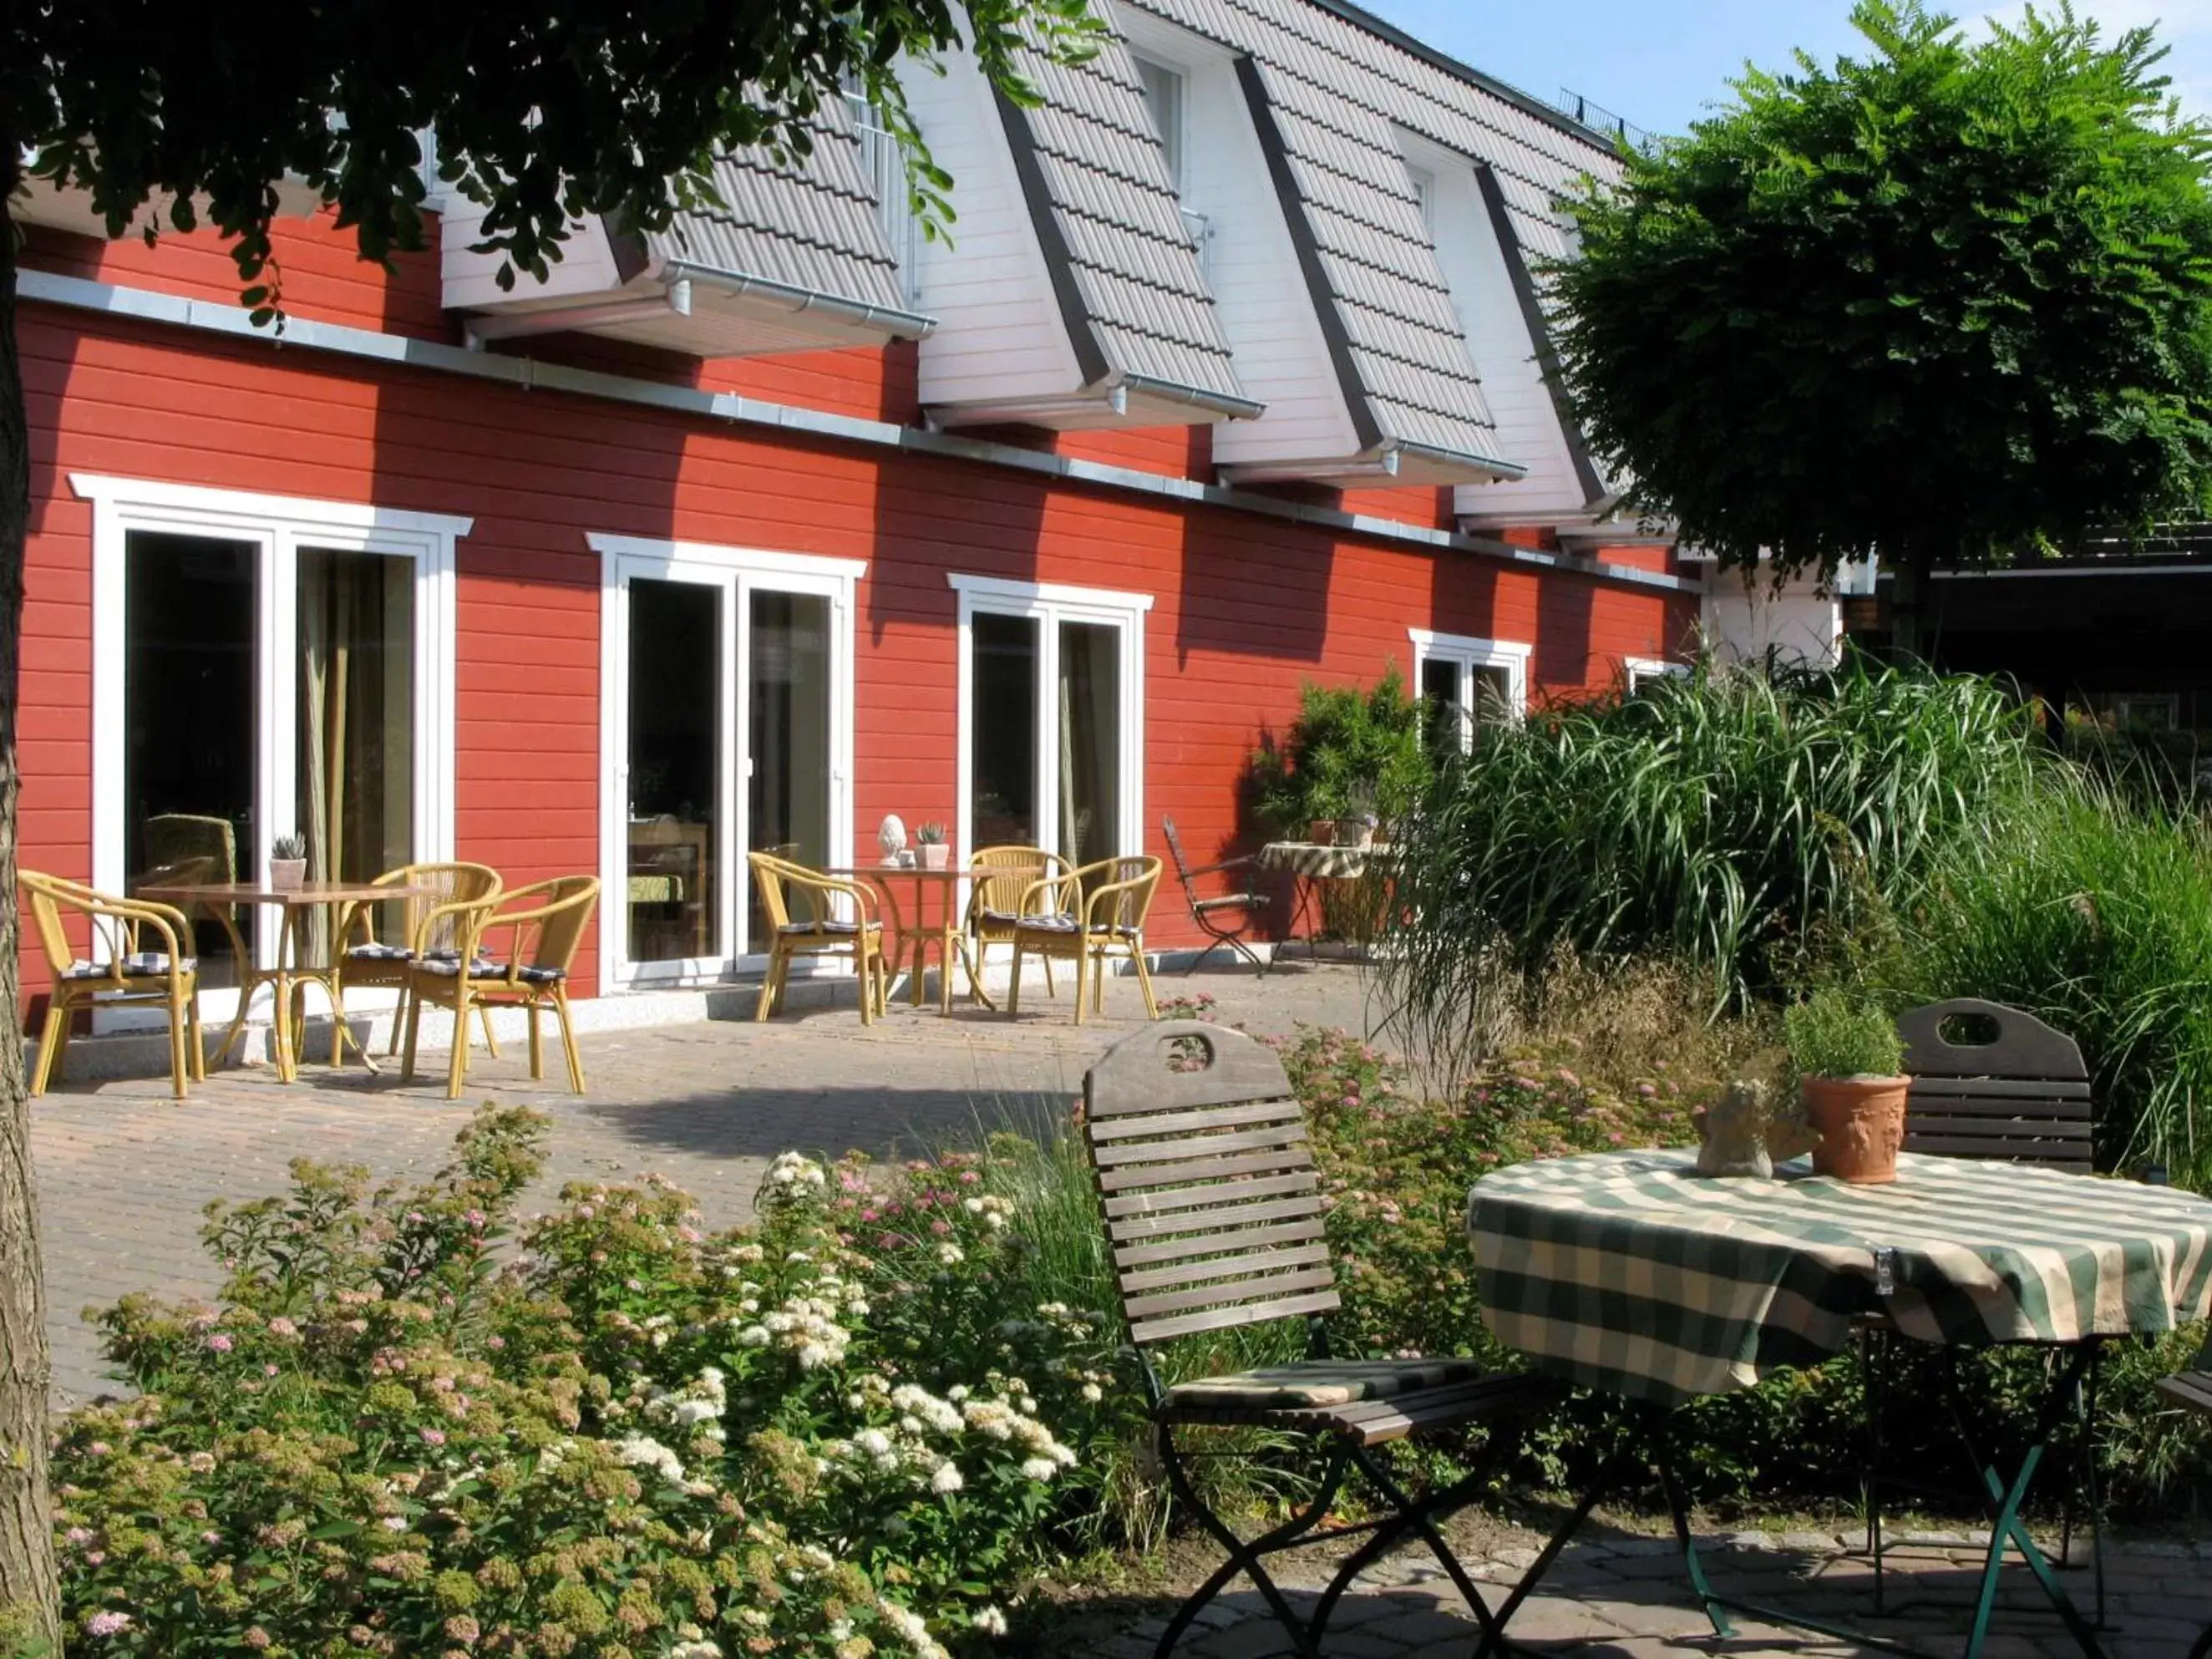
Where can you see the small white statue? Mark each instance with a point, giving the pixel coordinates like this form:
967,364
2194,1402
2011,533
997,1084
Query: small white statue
1734,1131
891,837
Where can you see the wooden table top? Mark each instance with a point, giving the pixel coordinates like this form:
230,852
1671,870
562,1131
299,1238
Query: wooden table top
951,873
306,893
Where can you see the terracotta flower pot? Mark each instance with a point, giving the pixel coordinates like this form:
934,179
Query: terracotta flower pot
1861,1123
936,855
1322,831
287,875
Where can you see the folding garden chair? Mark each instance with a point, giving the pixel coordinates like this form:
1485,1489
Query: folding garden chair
2193,1390
1225,918
1990,1082
1212,1207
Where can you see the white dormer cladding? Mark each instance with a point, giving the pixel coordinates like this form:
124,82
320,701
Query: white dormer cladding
41,202
794,259
1341,322
1493,295
1086,307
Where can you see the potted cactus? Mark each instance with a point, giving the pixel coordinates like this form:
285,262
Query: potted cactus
936,855
1849,1063
288,863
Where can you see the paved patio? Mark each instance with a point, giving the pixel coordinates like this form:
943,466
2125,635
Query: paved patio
123,1169
1623,1596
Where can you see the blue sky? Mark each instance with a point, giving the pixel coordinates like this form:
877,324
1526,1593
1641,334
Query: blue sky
1658,62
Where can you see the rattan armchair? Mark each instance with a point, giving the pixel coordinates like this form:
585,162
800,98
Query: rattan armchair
363,959
131,974
516,952
1107,904
998,878
819,928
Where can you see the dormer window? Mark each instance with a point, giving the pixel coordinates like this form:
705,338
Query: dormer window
1164,94
1424,193
882,163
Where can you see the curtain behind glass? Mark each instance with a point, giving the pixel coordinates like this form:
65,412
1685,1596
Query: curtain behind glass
1089,741
355,765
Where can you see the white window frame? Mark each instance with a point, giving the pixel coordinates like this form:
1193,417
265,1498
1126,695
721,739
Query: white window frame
1051,604
1423,181
1176,129
1467,653
1636,670
278,527
738,573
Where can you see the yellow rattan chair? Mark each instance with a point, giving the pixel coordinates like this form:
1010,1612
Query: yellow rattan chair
516,951
362,959
999,878
818,930
132,974
1105,921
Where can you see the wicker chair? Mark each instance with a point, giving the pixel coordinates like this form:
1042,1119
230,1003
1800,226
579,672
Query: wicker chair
132,974
363,959
541,926
998,877
821,931
1109,901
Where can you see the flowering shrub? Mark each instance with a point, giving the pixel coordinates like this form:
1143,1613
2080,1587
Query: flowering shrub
833,1432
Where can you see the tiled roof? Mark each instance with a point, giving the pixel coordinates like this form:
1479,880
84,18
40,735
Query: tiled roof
1333,89
805,223
1098,182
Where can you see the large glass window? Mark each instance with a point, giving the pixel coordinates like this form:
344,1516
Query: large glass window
1467,684
190,719
1002,724
789,691
1051,737
675,769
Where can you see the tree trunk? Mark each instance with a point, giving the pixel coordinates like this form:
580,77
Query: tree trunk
30,1597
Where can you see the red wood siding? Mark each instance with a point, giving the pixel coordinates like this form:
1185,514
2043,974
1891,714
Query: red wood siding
1247,607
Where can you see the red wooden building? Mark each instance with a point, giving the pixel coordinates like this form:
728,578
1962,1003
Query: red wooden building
745,535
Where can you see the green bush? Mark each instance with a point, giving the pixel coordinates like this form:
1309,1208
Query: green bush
1834,1034
2094,913
1347,750
1729,820
841,1431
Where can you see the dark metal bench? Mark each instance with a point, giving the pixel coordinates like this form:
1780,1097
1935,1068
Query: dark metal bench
1213,1209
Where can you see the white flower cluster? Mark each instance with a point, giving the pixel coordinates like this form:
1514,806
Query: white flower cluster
805,1325
909,1626
991,1209
694,1410
642,1451
793,1177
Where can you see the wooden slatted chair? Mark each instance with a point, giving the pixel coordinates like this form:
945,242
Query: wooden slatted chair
2022,1095
1213,1209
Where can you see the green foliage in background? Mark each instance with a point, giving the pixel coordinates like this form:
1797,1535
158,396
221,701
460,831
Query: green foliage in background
1951,297
1348,750
1835,1033
1720,819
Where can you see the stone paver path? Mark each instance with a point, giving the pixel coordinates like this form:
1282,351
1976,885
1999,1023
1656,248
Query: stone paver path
1623,1597
123,1169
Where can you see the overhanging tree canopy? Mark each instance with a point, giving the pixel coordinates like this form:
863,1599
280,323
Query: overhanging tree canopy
542,113
1949,300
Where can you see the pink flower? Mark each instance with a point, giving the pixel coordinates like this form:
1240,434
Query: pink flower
494,1342
107,1624
98,1449
78,1536
211,1536
281,1325
219,1342
968,1177
269,1371
434,1436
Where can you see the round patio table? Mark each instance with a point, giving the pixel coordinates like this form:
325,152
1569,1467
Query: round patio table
1308,862
288,978
913,938
1629,1272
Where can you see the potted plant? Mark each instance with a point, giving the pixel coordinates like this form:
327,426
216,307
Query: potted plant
288,863
935,854
1356,827
1850,1064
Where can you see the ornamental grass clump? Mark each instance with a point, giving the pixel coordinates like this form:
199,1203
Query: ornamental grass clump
838,1431
1833,1034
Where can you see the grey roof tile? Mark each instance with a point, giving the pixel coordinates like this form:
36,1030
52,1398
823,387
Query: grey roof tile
1335,89
808,222
1144,304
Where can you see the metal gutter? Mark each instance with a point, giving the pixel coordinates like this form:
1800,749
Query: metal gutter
906,324
226,320
1236,409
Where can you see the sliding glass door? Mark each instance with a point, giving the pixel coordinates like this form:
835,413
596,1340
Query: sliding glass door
730,730
1050,738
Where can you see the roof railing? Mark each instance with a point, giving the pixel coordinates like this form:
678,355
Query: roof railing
1599,119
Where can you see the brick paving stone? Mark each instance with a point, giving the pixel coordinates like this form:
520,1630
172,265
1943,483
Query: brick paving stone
124,1170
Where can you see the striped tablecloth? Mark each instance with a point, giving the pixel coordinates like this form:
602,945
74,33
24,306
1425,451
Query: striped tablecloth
1627,1271
1315,862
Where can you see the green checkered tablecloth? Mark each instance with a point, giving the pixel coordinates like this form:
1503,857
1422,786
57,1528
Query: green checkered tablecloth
1627,1271
1315,862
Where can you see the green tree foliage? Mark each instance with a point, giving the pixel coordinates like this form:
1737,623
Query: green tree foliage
182,117
1945,299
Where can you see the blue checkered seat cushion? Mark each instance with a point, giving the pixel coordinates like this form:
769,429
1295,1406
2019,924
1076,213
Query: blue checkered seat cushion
139,964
